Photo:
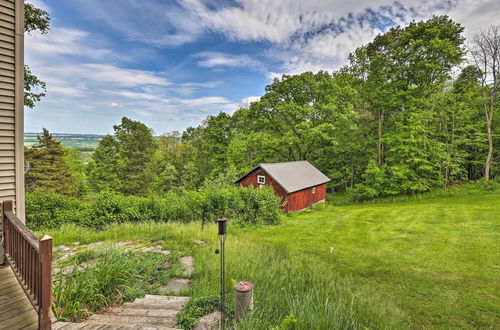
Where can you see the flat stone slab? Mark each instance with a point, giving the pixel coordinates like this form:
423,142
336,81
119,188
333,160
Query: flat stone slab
208,322
187,263
176,285
155,249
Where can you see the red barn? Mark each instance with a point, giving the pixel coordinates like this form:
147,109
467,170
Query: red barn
299,184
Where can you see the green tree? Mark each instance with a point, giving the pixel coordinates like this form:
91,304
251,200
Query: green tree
136,146
48,168
103,167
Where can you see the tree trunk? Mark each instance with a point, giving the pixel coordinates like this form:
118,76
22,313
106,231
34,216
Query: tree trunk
487,164
379,142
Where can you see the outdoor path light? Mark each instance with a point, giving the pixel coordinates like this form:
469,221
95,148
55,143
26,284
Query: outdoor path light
222,226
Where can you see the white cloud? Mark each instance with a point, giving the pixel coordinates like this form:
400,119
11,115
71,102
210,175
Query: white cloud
187,89
204,101
274,21
245,103
62,41
103,74
155,22
476,15
307,35
217,59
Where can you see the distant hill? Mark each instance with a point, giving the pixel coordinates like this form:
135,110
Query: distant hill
81,142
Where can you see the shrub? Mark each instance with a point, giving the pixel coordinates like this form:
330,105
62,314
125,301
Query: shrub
49,209
242,205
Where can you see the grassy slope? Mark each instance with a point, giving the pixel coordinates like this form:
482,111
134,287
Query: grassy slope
437,258
427,263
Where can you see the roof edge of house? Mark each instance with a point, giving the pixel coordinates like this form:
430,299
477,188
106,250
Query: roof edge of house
262,168
287,191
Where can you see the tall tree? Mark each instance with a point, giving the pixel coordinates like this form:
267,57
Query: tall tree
297,112
103,167
47,166
136,146
485,53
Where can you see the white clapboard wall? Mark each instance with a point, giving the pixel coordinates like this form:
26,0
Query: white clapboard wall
11,103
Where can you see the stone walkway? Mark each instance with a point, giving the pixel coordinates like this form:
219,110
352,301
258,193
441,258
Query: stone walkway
148,313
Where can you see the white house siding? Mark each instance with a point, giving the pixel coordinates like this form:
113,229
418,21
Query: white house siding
11,103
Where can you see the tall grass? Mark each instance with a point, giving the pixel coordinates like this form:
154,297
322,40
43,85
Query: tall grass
286,283
290,284
116,276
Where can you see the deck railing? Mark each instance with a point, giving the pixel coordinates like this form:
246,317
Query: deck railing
30,258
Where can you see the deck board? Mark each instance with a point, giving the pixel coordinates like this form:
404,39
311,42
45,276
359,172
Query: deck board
16,311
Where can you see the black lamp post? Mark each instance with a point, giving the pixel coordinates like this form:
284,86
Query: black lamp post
222,224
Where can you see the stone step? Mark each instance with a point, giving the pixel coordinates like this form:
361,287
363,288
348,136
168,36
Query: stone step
67,325
145,321
163,313
86,326
176,285
188,266
152,305
164,298
175,306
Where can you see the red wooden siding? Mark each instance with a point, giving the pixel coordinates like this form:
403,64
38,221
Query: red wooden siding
295,201
251,180
303,198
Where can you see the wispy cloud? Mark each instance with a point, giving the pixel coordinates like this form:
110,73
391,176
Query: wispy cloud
155,22
170,63
63,41
218,59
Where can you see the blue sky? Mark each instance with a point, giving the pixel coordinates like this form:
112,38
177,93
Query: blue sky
171,63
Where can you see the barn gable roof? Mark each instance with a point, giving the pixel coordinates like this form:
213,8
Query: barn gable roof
293,176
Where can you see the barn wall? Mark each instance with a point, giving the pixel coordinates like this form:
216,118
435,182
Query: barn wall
11,103
251,180
304,198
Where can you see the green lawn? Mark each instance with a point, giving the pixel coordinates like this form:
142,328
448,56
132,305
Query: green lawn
436,259
430,263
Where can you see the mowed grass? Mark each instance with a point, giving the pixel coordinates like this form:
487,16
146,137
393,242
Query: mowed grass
436,259
431,263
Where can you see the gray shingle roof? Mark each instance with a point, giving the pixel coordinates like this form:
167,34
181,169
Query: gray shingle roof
294,176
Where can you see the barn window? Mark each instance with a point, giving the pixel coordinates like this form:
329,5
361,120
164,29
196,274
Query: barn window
314,190
261,179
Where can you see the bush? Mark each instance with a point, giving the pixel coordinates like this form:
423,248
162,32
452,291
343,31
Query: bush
51,210
242,205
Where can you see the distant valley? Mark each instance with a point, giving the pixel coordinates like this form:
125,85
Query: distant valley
81,142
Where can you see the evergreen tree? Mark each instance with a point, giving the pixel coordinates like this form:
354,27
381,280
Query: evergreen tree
47,166
103,167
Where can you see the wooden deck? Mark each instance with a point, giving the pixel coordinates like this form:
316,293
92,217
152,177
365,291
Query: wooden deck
16,311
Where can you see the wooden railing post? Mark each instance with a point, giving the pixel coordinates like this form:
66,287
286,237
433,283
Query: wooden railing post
6,206
46,282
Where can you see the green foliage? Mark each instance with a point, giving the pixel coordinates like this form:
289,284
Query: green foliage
123,162
392,263
48,168
115,277
196,308
46,209
288,323
244,206
34,88
35,19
